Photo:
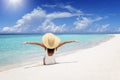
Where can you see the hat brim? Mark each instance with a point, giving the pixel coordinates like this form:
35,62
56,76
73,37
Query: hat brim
50,36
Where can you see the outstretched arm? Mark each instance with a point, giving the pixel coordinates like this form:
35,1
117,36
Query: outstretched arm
35,43
62,43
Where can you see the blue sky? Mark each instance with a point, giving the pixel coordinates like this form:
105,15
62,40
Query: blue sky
59,16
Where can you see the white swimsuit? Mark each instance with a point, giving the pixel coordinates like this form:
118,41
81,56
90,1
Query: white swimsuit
49,59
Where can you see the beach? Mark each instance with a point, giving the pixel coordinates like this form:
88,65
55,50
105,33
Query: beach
101,62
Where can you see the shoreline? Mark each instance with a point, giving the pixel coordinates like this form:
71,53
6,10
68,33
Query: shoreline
101,62
27,63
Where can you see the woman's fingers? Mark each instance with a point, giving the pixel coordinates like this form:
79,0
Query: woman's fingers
24,43
77,41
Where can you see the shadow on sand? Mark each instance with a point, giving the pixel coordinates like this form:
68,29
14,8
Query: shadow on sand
38,65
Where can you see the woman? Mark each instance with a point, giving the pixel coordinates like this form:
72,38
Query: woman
50,43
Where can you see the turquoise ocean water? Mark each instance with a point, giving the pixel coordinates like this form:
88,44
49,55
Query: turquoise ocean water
13,52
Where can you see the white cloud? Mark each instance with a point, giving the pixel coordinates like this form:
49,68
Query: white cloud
118,30
59,15
27,21
102,28
6,29
80,24
48,26
98,19
40,21
68,7
73,12
85,22
31,22
71,9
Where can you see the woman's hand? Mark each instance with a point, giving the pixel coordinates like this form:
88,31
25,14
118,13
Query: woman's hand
24,43
76,41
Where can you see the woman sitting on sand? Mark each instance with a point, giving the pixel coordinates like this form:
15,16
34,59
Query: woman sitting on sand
50,43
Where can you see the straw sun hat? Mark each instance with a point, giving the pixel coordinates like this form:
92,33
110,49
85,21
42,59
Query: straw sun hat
50,40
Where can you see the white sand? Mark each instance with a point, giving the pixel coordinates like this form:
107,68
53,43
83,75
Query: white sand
97,63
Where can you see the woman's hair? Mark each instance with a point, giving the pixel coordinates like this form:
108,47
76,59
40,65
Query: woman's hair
50,52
